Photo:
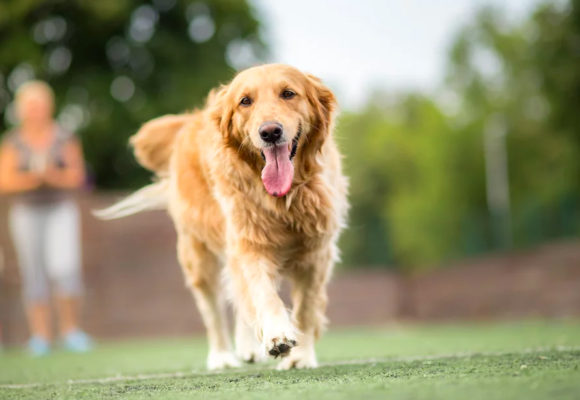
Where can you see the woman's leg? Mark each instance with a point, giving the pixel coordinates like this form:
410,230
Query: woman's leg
27,226
68,312
63,255
38,314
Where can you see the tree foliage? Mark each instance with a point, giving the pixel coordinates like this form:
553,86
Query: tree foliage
114,64
417,163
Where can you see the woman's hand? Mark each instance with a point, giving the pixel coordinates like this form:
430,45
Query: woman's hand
72,174
13,180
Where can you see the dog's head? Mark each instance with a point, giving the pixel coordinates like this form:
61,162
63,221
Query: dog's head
275,116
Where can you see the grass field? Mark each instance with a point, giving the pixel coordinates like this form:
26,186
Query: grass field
526,360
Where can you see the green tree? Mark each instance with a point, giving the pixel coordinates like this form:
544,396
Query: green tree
114,64
411,183
417,165
526,75
556,57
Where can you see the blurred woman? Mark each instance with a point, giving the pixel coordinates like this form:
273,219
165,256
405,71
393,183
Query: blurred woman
40,164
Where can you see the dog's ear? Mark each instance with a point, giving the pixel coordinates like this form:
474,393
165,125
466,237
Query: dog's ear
221,109
323,105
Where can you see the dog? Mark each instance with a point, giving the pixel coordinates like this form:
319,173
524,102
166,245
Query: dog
254,184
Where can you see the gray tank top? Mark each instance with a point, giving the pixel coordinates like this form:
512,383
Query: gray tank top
30,159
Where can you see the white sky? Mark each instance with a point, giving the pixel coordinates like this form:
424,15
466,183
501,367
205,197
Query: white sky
358,45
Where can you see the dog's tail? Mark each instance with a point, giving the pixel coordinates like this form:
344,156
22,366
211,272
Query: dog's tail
150,197
153,145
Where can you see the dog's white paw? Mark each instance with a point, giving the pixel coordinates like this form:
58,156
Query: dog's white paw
248,348
278,339
222,359
300,357
251,352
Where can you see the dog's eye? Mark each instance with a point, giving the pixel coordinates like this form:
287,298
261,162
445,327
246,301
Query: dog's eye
246,101
287,94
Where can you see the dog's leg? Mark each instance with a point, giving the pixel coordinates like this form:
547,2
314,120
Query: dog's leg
309,300
254,285
248,348
202,273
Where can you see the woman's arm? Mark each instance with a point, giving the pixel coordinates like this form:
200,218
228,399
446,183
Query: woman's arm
12,180
72,175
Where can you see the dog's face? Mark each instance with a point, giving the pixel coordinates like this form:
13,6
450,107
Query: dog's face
277,114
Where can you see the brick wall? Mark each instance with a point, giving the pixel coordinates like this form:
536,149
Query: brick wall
135,288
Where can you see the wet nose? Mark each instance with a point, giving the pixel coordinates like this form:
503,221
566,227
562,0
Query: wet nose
270,131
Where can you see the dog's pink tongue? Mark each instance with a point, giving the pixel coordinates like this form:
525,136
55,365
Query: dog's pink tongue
278,173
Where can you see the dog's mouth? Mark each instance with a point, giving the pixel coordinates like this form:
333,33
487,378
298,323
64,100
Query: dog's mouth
293,149
278,172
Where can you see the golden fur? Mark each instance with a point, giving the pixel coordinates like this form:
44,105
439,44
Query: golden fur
223,215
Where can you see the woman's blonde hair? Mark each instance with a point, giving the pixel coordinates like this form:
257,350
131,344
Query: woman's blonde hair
33,87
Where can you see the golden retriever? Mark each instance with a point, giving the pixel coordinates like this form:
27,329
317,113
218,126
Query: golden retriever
253,182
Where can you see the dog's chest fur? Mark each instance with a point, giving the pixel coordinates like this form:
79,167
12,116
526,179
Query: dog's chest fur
302,219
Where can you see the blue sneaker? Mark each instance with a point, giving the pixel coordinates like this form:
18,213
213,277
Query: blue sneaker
77,341
38,346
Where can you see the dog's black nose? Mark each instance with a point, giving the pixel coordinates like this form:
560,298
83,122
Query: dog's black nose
270,131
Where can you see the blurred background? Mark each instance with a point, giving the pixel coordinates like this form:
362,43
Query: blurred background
460,126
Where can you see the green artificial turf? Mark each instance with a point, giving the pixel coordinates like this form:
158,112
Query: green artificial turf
527,360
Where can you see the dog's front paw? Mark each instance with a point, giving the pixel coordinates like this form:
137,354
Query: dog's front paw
251,356
248,348
217,360
299,358
279,342
280,346
251,352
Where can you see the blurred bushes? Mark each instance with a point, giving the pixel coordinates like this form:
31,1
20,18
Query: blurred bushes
115,64
417,167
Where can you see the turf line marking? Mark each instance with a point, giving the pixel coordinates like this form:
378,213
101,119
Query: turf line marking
146,377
